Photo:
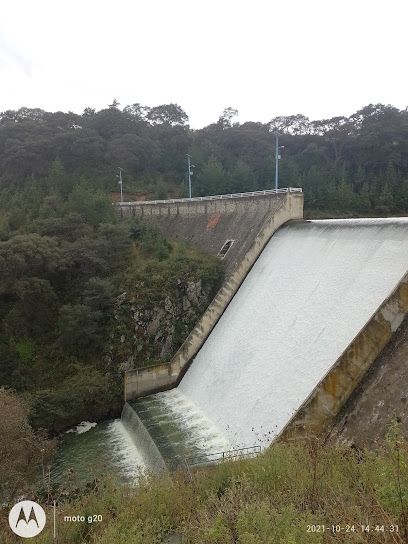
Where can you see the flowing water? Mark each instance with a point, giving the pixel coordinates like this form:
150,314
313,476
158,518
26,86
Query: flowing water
313,288
178,428
315,285
94,451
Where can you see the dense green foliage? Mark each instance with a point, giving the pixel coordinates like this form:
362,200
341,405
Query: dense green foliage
347,165
62,269
64,260
285,496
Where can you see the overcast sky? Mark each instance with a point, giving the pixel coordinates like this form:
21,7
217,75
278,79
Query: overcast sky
263,58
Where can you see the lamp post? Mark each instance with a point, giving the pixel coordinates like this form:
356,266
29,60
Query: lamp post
121,184
277,157
190,173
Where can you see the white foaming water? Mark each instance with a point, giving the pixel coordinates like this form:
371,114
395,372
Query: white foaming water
315,285
126,455
82,427
200,434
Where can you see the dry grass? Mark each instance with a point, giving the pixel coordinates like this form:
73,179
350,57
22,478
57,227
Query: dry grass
286,495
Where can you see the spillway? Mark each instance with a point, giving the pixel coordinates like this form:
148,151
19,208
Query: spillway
178,428
313,288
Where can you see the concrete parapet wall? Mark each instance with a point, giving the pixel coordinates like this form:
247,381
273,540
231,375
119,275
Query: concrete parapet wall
145,381
324,403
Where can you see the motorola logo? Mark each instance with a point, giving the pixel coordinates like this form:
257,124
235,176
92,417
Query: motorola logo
27,519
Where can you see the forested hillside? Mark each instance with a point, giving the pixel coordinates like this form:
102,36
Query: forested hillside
82,296
345,165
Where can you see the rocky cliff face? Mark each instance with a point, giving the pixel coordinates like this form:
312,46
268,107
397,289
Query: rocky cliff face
150,331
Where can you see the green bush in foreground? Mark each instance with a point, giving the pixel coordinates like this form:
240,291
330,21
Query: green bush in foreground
285,496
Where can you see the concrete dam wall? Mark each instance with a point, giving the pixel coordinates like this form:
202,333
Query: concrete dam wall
249,220
313,314
209,222
380,398
317,308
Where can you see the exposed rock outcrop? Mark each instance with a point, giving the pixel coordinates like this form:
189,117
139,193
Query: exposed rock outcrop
151,333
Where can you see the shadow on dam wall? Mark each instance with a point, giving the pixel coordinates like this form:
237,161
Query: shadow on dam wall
248,221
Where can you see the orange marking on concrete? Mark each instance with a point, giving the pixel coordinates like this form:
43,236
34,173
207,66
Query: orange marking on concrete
213,220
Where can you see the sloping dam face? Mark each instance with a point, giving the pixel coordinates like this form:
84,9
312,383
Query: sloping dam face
315,287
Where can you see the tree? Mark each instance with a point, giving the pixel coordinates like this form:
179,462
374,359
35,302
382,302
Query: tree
381,136
62,122
293,124
225,119
88,257
86,390
79,329
169,114
88,112
386,199
132,152
114,104
22,452
365,198
359,179
85,149
70,227
211,179
99,295
58,180
250,142
18,159
116,238
93,205
335,131
401,201
137,111
391,177
29,255
34,310
241,179
22,115
108,122
288,172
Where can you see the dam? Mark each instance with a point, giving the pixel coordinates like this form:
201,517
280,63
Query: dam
317,307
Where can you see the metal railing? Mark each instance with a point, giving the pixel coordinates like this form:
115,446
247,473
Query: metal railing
214,197
231,455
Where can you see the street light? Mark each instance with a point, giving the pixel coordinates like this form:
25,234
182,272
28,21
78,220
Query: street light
121,184
190,173
277,157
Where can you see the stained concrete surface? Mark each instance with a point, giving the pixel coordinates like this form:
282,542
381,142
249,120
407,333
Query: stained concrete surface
380,396
209,224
